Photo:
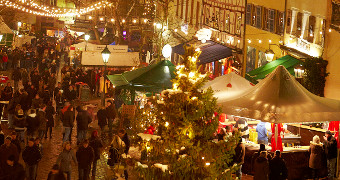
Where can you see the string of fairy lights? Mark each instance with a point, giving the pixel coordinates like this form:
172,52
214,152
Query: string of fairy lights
33,8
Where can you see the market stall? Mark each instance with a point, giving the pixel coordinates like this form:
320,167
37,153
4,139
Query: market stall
277,99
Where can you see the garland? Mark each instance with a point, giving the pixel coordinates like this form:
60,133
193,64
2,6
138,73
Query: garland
315,75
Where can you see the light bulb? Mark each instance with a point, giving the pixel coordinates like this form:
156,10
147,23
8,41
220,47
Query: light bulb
249,41
191,74
260,41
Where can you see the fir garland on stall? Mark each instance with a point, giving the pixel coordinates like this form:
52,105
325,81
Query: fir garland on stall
186,123
315,75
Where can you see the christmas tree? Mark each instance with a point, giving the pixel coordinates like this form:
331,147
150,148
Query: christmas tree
185,117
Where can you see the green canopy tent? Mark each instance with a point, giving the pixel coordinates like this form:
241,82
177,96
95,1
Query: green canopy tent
287,61
152,79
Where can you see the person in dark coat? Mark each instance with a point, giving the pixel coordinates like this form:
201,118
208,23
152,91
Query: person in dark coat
97,146
6,150
102,119
16,141
31,156
65,159
50,118
111,115
55,174
277,168
83,121
85,157
261,168
239,156
125,138
11,108
2,137
41,116
32,123
316,153
37,101
331,151
68,122
257,154
12,170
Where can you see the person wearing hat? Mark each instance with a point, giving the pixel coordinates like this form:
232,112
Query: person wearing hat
55,174
111,115
331,151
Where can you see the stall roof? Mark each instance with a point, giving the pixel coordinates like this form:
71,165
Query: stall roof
211,51
279,98
152,78
288,62
228,85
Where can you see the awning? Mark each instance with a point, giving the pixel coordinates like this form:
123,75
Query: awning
288,62
211,51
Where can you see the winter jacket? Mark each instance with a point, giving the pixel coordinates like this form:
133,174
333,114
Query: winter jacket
5,152
36,103
15,172
58,176
126,141
49,116
101,115
96,145
85,157
111,112
31,155
239,154
68,119
41,116
32,123
277,169
64,160
316,153
261,169
330,147
83,120
17,144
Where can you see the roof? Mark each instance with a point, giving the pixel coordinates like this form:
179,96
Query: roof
211,51
288,62
228,85
279,98
152,78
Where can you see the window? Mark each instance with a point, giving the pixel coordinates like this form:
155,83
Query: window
311,29
262,59
248,14
280,23
265,19
238,23
227,22
298,24
253,18
258,17
289,21
271,20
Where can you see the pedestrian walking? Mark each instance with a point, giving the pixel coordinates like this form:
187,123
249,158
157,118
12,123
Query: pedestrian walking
65,158
68,122
6,150
12,170
277,167
16,141
102,119
330,146
97,145
83,121
31,156
41,116
111,115
261,168
32,123
239,156
56,174
125,138
85,157
50,112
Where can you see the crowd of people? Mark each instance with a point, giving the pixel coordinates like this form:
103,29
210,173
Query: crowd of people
38,101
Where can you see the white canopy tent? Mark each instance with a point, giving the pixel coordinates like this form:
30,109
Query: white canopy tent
229,85
279,98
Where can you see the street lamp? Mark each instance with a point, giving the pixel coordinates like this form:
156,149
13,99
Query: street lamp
166,51
105,55
86,37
